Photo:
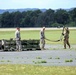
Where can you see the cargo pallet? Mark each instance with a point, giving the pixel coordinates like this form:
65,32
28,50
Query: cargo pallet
10,45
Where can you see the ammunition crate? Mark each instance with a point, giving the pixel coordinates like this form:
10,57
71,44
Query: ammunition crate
10,45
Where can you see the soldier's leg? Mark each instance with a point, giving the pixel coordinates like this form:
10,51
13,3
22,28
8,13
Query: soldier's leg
16,45
68,43
41,43
64,43
44,44
2,47
20,49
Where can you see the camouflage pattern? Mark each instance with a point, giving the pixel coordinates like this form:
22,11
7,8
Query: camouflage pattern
42,38
18,40
10,45
66,37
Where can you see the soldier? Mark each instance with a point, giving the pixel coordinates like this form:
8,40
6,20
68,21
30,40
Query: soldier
3,44
66,37
18,39
42,38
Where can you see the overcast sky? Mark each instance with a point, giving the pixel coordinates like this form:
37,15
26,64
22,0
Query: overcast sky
53,4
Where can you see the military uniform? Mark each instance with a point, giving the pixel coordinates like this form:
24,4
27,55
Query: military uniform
18,40
66,37
42,39
3,44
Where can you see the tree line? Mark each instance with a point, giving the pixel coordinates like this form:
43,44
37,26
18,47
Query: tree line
37,18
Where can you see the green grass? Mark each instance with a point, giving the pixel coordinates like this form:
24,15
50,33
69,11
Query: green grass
8,61
50,58
57,58
35,34
69,60
38,57
36,70
10,69
2,60
39,62
43,61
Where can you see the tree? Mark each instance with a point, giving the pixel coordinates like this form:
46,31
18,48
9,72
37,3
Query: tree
17,18
49,17
37,18
5,19
61,16
73,16
0,21
46,18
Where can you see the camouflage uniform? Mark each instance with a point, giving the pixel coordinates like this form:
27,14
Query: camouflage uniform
18,40
42,38
66,37
3,44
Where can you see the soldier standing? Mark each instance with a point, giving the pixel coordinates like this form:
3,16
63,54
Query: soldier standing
3,44
42,38
66,37
18,39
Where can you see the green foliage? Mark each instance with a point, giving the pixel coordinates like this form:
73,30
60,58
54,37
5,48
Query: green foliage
50,58
38,58
43,61
57,25
72,24
8,61
5,61
62,16
70,60
57,58
39,62
37,18
2,61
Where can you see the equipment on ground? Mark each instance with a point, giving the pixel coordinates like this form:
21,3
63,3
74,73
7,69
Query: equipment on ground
10,45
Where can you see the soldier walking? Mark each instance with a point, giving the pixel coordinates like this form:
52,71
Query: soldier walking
42,38
66,37
18,39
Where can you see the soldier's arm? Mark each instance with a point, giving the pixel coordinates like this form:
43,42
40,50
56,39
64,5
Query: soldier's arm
63,30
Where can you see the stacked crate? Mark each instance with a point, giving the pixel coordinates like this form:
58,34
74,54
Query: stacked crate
30,45
10,45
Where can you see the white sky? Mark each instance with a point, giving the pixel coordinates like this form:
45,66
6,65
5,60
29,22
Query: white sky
53,4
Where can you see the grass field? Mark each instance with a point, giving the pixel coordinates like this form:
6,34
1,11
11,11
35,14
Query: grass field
9,69
35,34
36,70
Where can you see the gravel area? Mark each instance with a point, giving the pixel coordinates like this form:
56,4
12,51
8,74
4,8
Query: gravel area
52,56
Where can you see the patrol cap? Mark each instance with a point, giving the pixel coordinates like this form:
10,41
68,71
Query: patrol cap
17,28
43,27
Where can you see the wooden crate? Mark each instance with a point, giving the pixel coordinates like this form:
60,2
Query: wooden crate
10,45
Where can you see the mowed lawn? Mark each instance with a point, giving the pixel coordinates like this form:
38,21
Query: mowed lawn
36,70
21,69
35,34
